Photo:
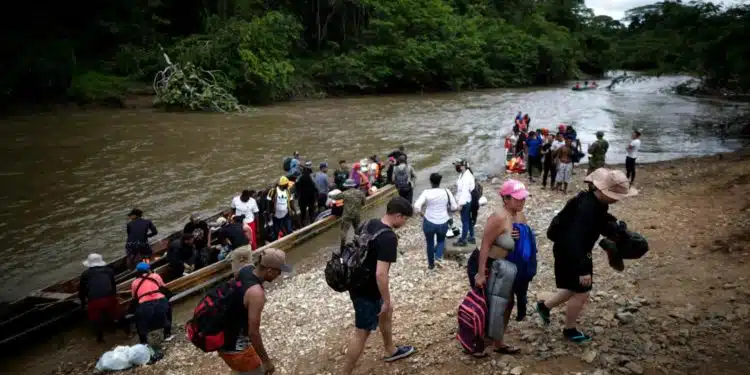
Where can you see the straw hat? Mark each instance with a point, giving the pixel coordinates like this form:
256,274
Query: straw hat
612,183
94,260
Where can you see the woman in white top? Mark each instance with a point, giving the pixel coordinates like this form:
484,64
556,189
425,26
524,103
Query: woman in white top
437,204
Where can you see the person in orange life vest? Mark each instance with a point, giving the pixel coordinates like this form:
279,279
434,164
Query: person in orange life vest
153,309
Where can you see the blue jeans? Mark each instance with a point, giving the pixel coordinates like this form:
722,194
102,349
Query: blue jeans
430,231
466,226
284,225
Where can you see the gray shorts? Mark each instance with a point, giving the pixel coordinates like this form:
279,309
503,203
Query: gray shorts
564,172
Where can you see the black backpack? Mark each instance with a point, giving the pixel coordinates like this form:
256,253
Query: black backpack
206,330
401,179
345,271
287,164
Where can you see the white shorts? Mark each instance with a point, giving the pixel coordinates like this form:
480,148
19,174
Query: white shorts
564,172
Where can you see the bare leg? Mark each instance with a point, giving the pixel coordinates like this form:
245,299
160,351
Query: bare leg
354,351
559,298
574,308
385,323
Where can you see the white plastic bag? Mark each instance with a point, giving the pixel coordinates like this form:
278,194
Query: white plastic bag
124,357
114,360
483,201
139,355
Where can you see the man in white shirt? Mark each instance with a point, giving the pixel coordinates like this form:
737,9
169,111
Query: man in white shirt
245,209
464,186
633,149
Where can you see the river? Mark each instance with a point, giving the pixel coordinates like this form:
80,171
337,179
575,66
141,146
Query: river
69,178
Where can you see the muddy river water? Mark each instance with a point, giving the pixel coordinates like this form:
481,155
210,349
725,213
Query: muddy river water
70,178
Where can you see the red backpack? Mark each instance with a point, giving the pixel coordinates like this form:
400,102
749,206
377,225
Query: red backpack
472,320
206,330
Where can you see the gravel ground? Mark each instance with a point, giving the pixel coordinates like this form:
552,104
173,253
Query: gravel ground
682,309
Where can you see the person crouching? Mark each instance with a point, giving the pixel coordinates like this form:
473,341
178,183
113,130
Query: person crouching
152,310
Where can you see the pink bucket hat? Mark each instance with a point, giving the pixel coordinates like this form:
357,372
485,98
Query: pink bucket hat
515,189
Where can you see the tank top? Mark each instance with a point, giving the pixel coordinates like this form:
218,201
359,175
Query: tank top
238,312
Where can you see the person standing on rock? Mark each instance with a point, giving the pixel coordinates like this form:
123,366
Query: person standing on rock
574,232
244,351
97,291
597,152
487,267
372,302
550,168
438,204
464,186
533,150
564,156
404,178
633,148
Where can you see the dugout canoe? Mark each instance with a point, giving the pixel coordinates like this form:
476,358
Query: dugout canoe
205,277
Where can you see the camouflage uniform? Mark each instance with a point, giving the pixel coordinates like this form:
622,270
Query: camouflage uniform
597,150
354,200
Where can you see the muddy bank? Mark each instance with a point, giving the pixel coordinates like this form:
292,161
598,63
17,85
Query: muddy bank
679,310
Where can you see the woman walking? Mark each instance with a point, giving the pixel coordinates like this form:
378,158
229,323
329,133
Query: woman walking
488,268
437,203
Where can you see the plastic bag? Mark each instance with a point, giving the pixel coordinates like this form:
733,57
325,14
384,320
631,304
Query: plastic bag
124,357
114,360
139,355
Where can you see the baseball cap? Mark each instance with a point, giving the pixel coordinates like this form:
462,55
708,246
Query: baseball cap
323,165
283,181
515,189
274,258
142,267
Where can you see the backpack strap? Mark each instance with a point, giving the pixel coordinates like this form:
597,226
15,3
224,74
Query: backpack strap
137,288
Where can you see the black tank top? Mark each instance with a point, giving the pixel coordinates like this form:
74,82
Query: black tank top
237,311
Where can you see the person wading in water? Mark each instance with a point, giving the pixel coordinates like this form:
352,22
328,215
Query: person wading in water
139,230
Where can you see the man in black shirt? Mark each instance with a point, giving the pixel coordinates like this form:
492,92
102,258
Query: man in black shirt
98,289
201,239
574,232
371,298
181,255
396,154
139,230
235,234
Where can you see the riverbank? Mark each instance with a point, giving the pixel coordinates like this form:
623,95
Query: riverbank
681,306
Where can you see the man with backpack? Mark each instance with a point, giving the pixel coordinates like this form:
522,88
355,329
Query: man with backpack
403,178
228,318
574,232
369,289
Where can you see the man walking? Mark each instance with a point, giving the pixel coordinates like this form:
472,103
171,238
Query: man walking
597,152
633,148
574,232
245,352
403,178
372,302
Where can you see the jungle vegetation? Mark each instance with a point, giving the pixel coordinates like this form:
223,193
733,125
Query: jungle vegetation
225,53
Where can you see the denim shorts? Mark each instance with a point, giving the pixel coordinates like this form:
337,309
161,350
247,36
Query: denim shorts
366,313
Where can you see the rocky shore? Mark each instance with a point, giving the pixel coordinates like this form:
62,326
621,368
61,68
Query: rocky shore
682,309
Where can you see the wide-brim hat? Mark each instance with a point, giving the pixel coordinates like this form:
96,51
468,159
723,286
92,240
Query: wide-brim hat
612,183
94,260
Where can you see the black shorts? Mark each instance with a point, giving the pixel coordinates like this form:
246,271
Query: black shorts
567,278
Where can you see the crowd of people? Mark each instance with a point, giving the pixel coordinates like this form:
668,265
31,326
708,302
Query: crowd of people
499,269
554,155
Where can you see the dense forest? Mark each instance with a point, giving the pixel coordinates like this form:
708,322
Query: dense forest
259,51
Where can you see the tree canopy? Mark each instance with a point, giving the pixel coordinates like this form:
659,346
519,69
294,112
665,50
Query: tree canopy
269,50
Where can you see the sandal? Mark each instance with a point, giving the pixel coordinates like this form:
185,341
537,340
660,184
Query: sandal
507,349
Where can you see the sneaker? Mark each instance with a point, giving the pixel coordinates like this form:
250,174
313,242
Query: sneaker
472,241
401,352
439,263
459,243
543,312
576,336
169,338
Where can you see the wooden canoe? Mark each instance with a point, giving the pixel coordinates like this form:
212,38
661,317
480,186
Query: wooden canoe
58,303
205,277
53,305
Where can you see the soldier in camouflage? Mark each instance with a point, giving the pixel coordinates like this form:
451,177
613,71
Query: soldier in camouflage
354,200
597,152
